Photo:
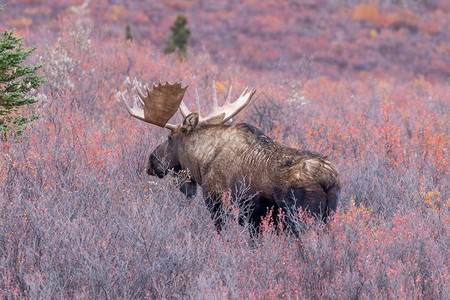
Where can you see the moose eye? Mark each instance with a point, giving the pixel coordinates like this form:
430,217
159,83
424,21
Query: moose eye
169,138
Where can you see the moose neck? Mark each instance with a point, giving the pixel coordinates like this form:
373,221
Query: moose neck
199,148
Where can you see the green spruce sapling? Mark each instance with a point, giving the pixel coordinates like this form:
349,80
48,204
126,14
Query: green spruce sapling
16,81
179,38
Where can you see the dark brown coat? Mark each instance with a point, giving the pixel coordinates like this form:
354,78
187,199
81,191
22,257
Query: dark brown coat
223,157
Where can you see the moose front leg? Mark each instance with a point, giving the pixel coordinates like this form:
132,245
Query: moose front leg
189,189
215,207
290,202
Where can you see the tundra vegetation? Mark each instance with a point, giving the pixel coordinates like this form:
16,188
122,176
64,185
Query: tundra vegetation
81,218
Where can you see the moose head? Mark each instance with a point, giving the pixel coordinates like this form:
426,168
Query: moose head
158,107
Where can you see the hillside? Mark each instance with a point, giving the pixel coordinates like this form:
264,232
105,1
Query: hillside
367,85
312,38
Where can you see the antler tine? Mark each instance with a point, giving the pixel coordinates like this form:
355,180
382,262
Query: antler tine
127,106
140,93
184,110
232,109
148,89
229,95
133,111
222,114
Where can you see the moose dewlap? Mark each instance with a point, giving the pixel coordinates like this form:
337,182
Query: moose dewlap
221,157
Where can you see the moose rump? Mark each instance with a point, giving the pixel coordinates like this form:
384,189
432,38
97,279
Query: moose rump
221,157
273,176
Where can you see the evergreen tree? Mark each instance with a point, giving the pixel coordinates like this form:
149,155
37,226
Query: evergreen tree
179,38
128,34
16,80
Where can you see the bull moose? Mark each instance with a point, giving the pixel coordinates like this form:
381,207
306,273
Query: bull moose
220,157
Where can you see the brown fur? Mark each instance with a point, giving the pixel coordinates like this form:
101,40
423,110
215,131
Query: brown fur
220,157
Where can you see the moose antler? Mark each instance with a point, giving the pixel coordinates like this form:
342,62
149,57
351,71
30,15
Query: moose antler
221,114
160,104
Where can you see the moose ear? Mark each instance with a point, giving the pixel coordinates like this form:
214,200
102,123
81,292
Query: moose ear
189,123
